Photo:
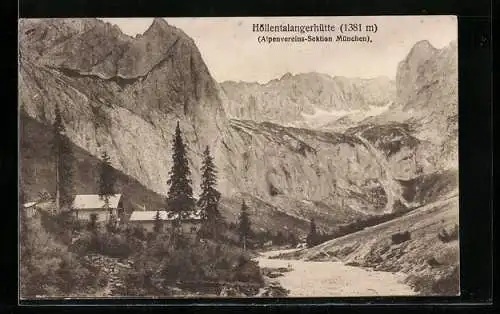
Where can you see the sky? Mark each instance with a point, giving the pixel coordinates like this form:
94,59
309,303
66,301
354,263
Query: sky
232,52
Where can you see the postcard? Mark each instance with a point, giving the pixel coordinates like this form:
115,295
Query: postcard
238,157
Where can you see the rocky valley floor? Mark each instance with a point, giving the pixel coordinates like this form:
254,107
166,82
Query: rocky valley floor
428,259
334,279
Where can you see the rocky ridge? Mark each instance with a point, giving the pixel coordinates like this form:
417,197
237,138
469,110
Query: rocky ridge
126,103
302,99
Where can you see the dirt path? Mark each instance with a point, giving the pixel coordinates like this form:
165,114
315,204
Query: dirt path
329,279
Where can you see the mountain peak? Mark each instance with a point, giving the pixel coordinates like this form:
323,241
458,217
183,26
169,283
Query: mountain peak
159,21
423,44
430,72
421,50
158,24
286,76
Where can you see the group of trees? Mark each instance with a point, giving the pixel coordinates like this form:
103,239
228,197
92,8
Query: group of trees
68,271
278,238
315,237
180,198
180,194
165,261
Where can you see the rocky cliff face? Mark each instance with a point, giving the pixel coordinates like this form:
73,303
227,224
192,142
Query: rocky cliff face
414,139
427,102
121,94
434,105
305,99
279,163
125,95
425,71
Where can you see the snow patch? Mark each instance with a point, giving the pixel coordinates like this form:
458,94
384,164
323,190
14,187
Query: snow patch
322,117
377,110
322,114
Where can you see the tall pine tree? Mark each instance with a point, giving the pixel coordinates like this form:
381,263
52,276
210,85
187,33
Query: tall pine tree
61,149
209,198
244,225
180,195
158,223
92,225
107,180
312,237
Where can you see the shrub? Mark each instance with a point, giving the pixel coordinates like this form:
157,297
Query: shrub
448,284
399,208
433,262
248,271
51,268
83,245
137,232
448,236
134,284
105,243
59,225
445,285
73,277
162,265
135,244
275,291
140,279
114,245
400,237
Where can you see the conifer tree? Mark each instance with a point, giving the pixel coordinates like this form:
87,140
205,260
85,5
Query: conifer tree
209,198
180,195
313,235
107,178
292,239
92,225
158,223
107,181
61,149
244,225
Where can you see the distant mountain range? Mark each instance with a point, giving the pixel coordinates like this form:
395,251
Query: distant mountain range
307,99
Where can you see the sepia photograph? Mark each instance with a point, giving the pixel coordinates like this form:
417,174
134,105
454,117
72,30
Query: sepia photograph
238,157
